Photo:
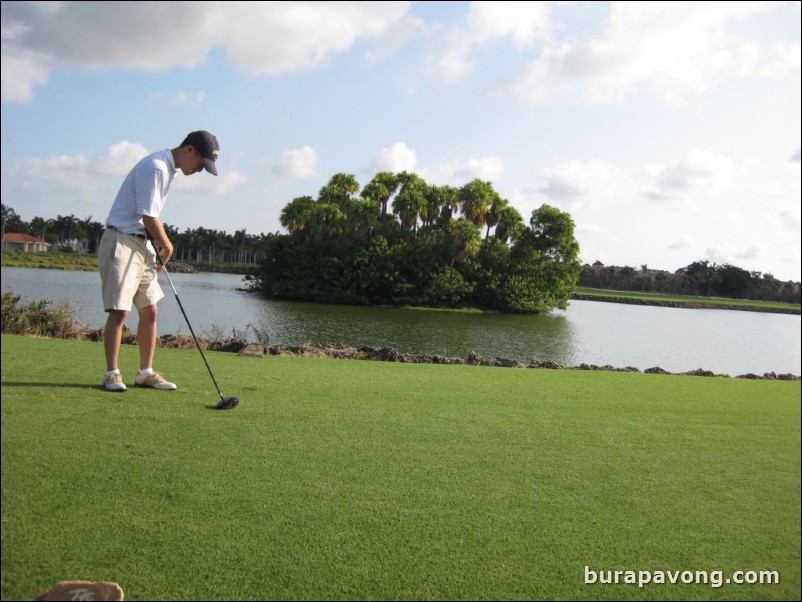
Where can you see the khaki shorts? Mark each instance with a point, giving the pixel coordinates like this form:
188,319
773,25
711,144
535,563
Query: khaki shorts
128,276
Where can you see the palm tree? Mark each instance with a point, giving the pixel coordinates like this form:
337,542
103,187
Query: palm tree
435,198
497,207
627,272
701,275
239,243
198,243
510,224
295,214
65,226
363,216
383,186
39,226
475,199
325,221
411,200
450,202
94,232
8,215
466,240
339,191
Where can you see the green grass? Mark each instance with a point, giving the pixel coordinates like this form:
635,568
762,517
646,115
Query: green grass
53,261
369,480
87,262
657,298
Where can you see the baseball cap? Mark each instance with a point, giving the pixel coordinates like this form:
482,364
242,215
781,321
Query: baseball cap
206,144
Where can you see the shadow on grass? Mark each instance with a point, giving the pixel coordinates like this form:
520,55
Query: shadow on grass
52,385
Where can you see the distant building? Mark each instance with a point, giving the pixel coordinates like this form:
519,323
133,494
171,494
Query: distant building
15,241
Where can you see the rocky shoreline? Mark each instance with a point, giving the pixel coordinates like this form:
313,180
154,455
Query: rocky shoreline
389,354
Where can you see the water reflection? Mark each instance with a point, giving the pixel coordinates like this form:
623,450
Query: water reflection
728,342
421,331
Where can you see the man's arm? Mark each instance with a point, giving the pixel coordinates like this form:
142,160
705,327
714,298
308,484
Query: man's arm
156,230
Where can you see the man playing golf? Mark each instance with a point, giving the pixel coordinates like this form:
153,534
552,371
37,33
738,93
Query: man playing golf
127,261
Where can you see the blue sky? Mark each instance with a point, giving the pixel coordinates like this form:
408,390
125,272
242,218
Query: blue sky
669,131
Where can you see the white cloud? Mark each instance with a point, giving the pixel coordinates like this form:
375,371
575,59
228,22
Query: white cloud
298,163
259,38
486,23
458,172
522,22
683,242
396,158
396,34
399,157
673,50
702,206
699,171
790,219
120,159
179,99
88,176
20,73
203,183
288,36
597,183
66,171
729,254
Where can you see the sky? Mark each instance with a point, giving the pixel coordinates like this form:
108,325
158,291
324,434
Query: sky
669,131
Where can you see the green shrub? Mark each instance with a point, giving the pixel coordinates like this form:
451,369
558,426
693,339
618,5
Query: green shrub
38,318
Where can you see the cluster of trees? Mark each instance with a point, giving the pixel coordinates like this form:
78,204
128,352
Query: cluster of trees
699,278
402,241
200,245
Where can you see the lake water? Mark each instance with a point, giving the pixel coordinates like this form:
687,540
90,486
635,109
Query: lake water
677,340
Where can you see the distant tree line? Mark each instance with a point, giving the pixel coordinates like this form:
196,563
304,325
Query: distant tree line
699,278
401,241
200,245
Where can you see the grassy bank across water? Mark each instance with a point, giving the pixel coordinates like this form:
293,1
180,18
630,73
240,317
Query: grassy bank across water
684,301
373,480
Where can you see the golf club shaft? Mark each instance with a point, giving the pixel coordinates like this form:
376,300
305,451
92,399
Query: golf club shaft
181,306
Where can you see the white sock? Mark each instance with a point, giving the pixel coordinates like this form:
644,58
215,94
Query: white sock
146,371
110,372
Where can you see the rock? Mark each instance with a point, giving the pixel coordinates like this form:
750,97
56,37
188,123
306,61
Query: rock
474,359
83,590
545,364
252,351
341,353
699,372
383,354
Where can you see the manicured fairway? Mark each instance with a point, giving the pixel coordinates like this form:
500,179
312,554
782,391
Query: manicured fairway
347,479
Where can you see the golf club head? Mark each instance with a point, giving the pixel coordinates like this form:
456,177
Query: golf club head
226,403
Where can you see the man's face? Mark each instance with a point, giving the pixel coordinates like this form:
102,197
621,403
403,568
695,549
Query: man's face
193,161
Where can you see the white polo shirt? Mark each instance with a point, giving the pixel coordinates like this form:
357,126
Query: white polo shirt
143,192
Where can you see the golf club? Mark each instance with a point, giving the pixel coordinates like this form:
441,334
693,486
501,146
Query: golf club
225,403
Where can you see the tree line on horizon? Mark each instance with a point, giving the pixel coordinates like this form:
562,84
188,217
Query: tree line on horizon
198,245
208,246
701,278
